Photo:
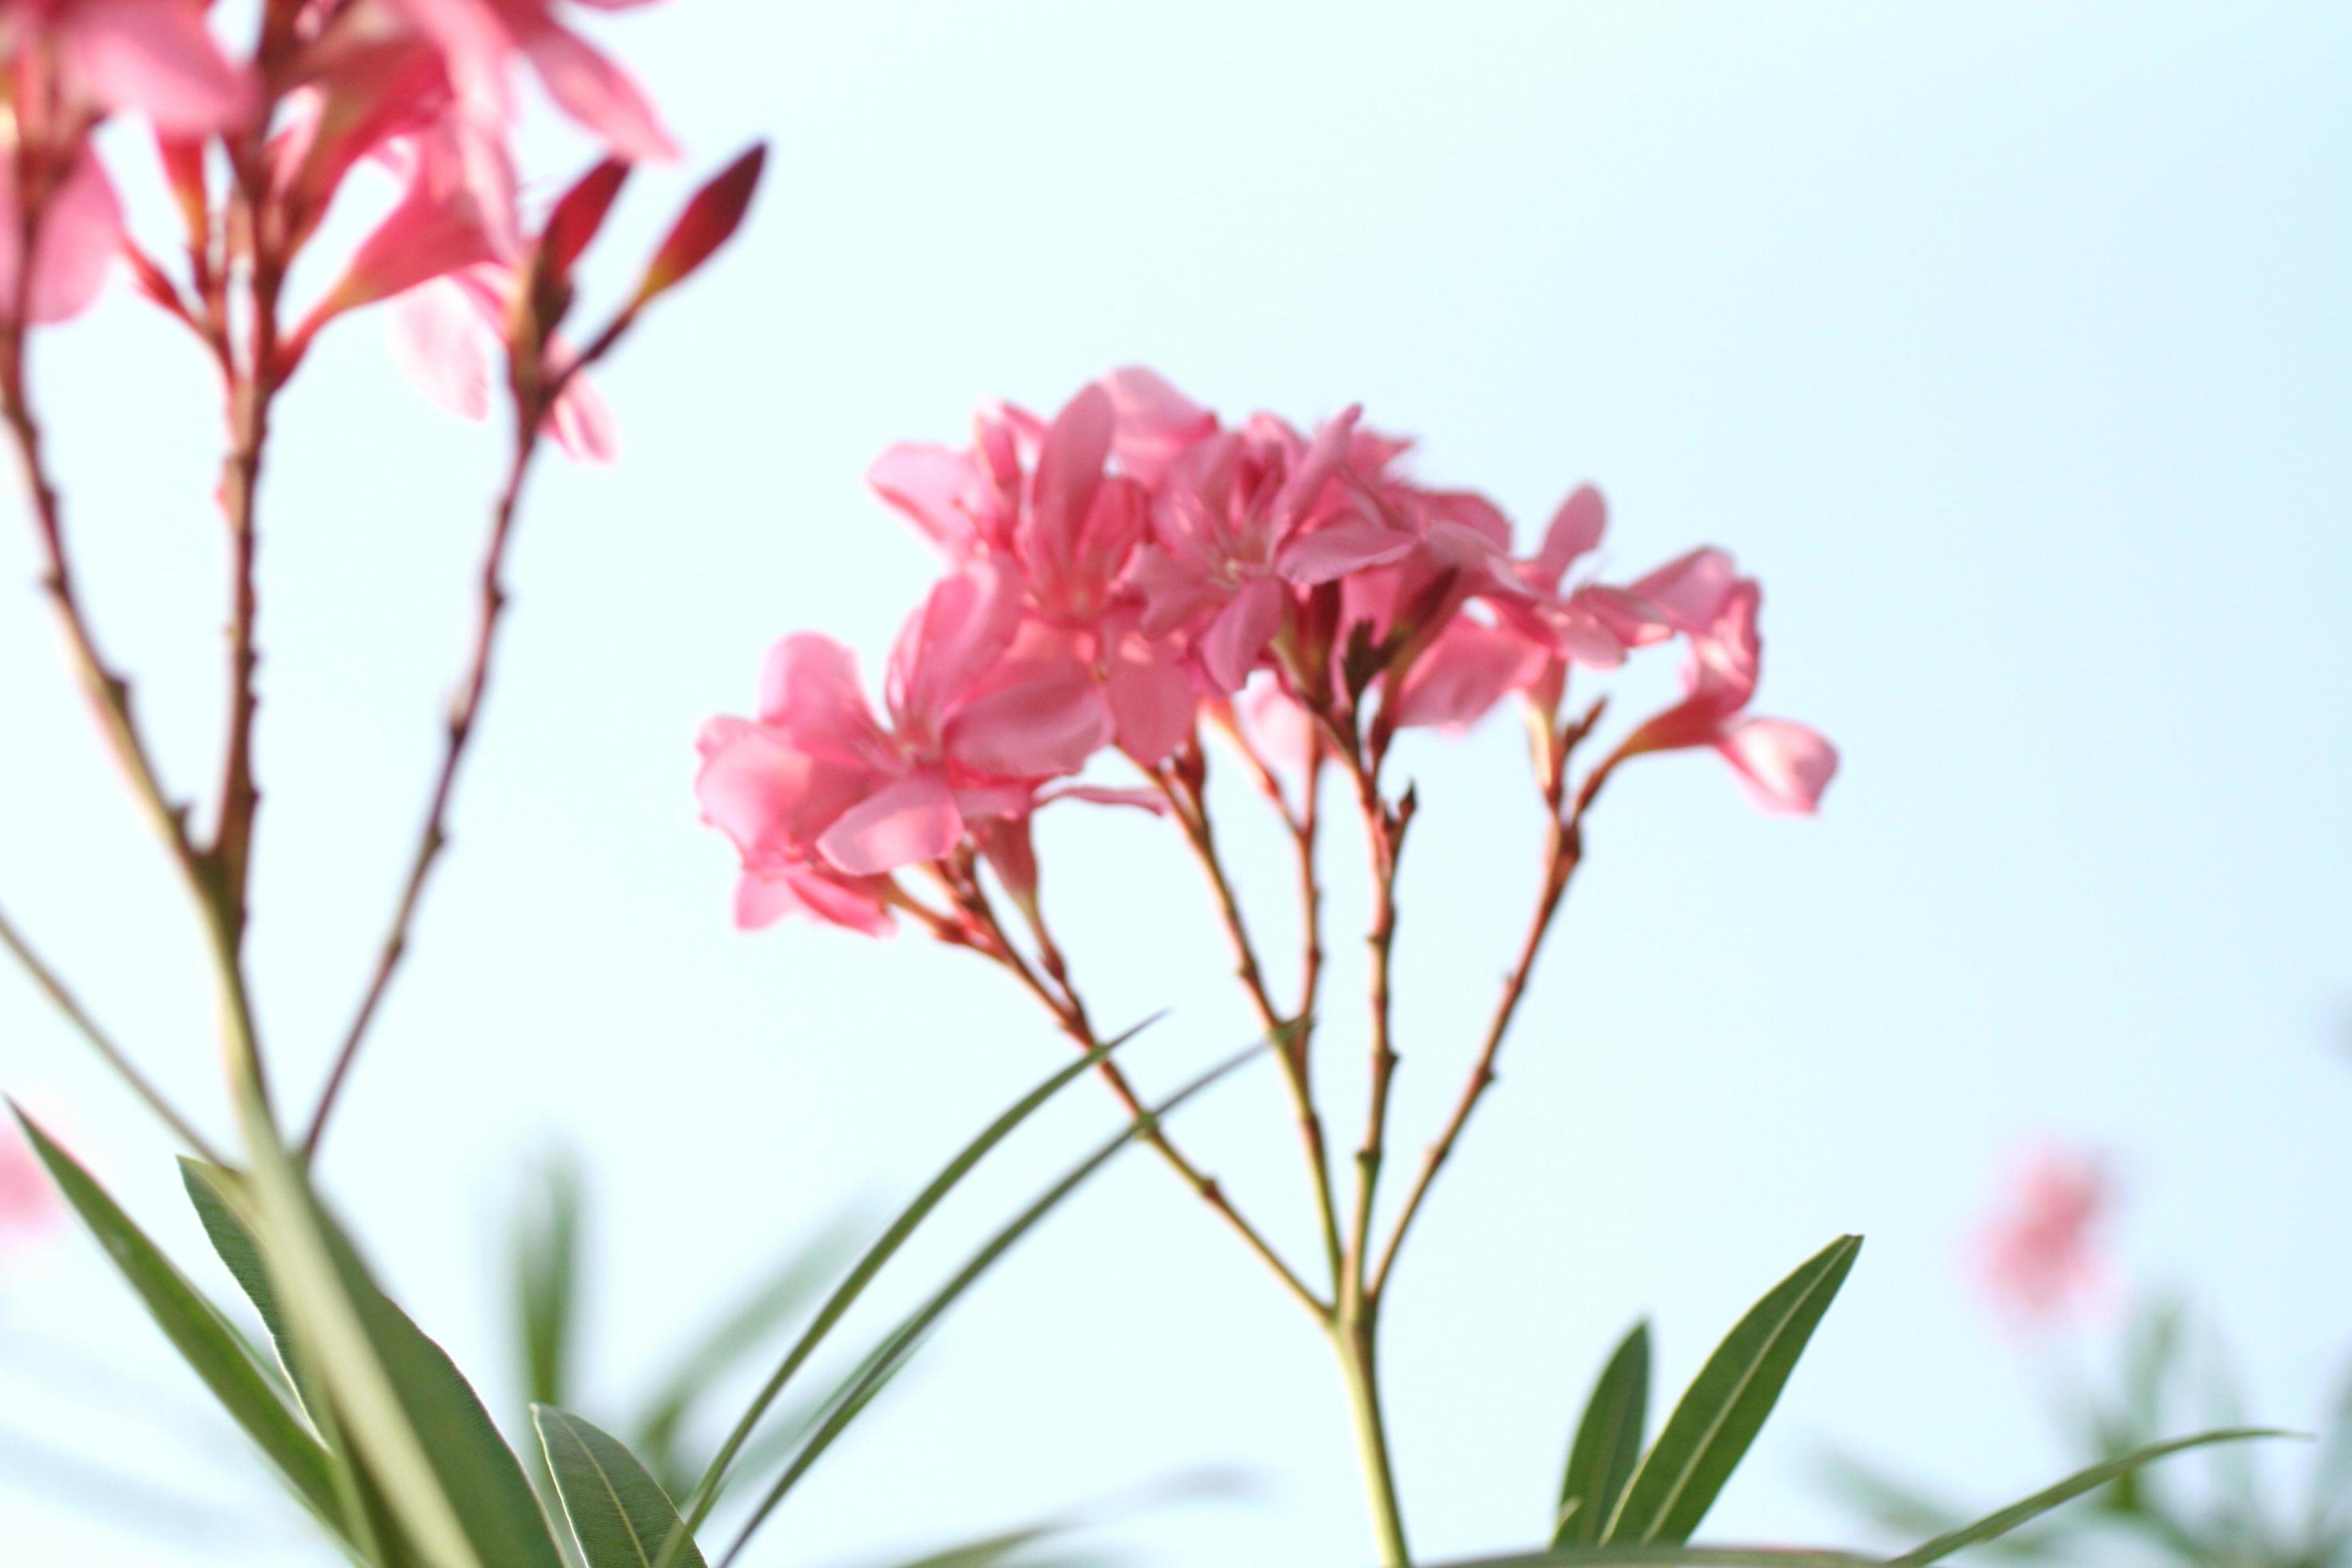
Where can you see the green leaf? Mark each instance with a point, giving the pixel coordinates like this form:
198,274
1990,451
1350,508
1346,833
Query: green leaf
619,1514
546,1281
901,1341
706,1492
1608,1444
1726,1406
211,1346
456,1488
1994,1525
792,1286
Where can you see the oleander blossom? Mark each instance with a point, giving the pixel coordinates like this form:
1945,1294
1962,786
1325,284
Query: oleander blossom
1118,574
2039,1254
26,1203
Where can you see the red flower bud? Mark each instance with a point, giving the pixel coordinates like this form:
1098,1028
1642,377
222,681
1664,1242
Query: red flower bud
577,217
707,222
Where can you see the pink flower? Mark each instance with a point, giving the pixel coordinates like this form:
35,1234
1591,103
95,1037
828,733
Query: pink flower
2038,1253
1784,765
448,337
1242,517
480,39
1041,502
820,793
93,57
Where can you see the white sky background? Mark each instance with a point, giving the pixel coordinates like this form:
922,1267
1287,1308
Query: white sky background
2007,342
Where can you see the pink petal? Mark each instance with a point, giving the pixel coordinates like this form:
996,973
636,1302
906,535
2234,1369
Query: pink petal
1154,421
1241,631
155,57
1177,591
928,483
1576,529
80,234
809,688
903,823
1466,672
1468,509
1069,471
1152,701
772,797
441,345
1785,765
764,897
1352,545
581,423
949,645
1690,588
1322,460
1033,730
597,93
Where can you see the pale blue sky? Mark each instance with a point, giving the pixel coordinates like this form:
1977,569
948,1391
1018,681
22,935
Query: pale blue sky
2007,342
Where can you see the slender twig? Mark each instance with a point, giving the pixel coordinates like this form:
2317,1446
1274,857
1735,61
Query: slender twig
1565,853
61,997
1384,829
1070,1014
109,693
463,712
1191,814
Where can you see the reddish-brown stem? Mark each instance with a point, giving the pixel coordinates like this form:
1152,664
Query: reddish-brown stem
1384,830
463,708
1069,1012
1565,853
1291,1035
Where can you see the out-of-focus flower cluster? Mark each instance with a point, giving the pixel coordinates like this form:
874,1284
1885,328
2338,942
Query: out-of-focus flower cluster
2039,1252
258,145
1118,574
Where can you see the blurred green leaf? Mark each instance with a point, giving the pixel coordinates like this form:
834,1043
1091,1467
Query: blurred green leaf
456,1490
1904,1510
714,1478
1608,1446
547,1279
1726,1406
211,1347
620,1515
901,1341
789,1289
1995,1525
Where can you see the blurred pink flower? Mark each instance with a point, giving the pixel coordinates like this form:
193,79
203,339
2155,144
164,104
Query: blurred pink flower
449,338
1784,765
26,1200
480,40
2037,1253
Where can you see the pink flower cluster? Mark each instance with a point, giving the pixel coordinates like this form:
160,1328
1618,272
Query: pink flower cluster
1115,570
420,88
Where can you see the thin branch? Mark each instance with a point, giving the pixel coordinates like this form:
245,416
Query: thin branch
61,997
1189,804
1566,852
434,836
1070,1013
1384,829
109,693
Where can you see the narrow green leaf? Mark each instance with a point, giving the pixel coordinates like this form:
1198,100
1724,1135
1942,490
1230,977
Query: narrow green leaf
704,1496
211,1346
469,1475
1608,1444
990,1553
619,1514
1995,1525
792,1286
901,1341
1726,1406
546,1281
